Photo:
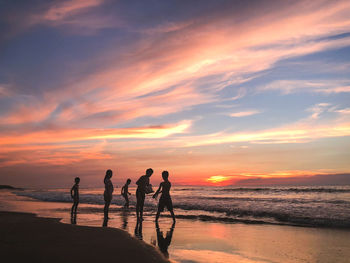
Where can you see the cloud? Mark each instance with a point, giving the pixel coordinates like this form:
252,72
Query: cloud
60,10
216,49
165,69
316,86
4,90
288,134
78,134
344,111
306,179
244,113
318,109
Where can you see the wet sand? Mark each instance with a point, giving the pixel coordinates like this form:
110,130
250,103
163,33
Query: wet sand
27,238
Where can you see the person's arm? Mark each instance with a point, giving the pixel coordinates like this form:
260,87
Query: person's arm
121,191
158,191
71,192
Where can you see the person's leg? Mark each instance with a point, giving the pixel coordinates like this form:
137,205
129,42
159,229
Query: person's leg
158,213
127,201
172,214
138,202
72,210
170,208
160,208
76,206
106,208
142,202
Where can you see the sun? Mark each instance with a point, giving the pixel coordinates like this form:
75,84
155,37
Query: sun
219,179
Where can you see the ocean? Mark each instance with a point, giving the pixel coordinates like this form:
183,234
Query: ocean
316,206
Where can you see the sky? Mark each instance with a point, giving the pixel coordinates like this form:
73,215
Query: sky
215,92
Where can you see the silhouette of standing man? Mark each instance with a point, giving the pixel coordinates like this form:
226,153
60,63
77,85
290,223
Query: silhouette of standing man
142,184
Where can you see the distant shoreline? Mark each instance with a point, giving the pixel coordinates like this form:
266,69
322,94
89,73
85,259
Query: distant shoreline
4,186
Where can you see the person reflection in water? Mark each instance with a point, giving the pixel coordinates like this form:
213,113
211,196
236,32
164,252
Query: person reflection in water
164,243
142,185
108,192
165,199
74,193
125,215
138,230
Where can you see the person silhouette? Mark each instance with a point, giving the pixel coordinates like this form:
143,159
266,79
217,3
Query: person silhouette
125,193
164,243
74,193
108,192
165,198
142,184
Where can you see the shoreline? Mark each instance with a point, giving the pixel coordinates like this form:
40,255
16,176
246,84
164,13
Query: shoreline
194,240
26,237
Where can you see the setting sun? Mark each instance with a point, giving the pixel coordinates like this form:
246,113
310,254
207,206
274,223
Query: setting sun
219,179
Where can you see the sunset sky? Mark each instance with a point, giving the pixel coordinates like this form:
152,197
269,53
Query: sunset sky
215,92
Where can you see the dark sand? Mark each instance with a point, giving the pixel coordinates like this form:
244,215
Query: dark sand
27,238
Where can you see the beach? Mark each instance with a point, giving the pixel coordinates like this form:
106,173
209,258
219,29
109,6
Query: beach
192,240
27,238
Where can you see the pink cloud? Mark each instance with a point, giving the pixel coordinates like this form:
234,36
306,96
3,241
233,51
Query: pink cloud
244,113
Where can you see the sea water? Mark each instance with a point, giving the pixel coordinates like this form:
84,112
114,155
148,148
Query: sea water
319,206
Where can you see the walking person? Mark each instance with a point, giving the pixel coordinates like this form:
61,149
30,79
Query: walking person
108,192
165,198
125,193
143,187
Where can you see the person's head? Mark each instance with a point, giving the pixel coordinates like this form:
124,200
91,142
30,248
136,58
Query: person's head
77,180
109,173
149,172
165,175
128,181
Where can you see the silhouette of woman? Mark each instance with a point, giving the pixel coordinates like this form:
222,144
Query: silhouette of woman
108,191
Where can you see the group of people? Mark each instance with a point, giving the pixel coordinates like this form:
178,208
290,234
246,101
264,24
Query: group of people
143,187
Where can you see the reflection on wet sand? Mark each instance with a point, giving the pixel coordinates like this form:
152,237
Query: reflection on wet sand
125,215
164,242
138,230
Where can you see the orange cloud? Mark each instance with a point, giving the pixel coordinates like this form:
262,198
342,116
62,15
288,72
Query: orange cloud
283,135
69,135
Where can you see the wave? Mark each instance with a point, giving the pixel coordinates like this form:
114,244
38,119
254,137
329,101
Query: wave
293,189
302,212
297,221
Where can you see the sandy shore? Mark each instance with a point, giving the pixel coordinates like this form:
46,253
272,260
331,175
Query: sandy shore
27,238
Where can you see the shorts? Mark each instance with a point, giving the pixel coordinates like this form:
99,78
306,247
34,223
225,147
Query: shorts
140,196
107,197
165,202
